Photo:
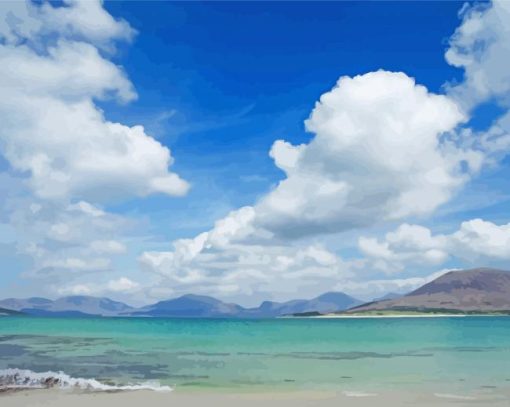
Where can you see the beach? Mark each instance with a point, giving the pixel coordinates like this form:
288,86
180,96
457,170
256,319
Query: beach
59,398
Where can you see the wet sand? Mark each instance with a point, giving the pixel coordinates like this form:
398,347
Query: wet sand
65,398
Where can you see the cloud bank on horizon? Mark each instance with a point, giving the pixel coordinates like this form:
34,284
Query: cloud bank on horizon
383,149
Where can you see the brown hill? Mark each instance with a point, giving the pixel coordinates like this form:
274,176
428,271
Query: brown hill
476,290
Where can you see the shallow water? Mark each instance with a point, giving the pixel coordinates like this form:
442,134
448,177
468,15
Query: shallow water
440,354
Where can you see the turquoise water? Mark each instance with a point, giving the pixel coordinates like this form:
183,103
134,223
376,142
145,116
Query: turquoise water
442,354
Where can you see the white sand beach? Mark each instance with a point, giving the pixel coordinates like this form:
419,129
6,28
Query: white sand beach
60,398
345,316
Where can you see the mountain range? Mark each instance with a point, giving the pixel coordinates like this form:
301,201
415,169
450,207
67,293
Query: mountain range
480,290
186,306
67,306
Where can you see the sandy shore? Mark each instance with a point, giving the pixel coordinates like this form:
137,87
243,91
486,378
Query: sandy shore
62,398
394,316
360,316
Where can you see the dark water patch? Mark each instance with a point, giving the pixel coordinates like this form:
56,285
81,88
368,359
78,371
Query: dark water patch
198,353
41,345
347,355
9,338
115,353
253,354
74,342
462,349
249,382
8,350
194,384
51,338
187,376
147,372
109,364
115,363
212,354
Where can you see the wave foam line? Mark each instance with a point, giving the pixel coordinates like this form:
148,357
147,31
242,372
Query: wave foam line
27,379
453,396
358,394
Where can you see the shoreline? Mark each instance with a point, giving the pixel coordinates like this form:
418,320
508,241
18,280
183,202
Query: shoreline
409,316
298,398
334,316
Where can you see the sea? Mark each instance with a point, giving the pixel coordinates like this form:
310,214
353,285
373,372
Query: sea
443,354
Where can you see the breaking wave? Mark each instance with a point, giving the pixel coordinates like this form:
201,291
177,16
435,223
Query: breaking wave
27,379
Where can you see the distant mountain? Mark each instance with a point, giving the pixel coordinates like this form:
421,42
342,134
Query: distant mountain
475,290
187,306
28,303
208,307
190,306
78,305
91,305
389,296
328,302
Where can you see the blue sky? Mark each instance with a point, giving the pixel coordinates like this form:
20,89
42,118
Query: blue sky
237,76
101,209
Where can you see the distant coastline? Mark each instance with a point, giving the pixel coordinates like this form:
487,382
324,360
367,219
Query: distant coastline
475,292
389,315
433,313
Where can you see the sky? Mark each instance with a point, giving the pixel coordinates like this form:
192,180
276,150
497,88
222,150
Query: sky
251,150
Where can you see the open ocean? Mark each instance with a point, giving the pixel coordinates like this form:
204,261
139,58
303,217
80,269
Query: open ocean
360,355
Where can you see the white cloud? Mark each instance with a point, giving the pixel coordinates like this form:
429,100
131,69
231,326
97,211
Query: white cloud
481,46
63,242
74,264
52,133
478,239
86,208
123,284
373,248
237,259
407,245
475,242
86,19
265,268
108,246
77,289
379,152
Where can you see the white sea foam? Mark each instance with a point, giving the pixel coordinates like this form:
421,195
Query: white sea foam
358,394
453,396
27,379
